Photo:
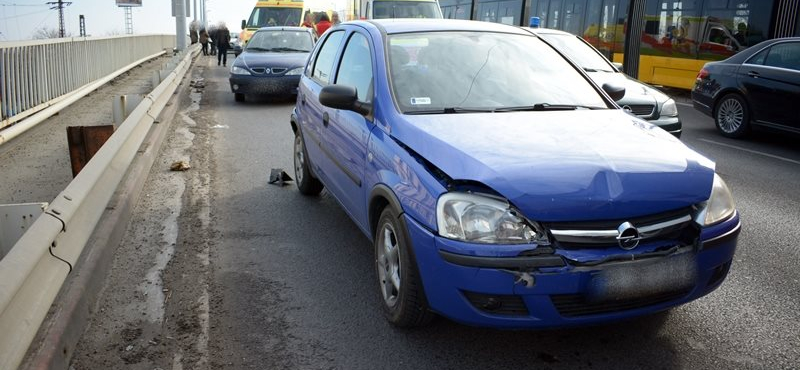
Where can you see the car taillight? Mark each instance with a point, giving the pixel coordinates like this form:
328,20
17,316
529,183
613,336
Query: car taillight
702,74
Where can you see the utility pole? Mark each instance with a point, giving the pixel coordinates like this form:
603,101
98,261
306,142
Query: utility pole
82,22
60,5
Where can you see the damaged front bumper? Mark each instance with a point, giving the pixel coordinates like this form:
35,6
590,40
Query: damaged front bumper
496,286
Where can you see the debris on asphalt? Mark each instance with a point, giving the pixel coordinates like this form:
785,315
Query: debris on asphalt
198,83
180,166
278,176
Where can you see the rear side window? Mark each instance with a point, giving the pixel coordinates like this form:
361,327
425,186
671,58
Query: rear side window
785,55
323,65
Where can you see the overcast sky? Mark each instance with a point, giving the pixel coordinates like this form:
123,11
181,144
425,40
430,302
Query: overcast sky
20,18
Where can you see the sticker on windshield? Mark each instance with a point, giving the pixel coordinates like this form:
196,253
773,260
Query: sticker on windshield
420,101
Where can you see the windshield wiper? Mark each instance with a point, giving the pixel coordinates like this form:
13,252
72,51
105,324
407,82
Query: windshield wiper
287,49
546,107
256,48
452,110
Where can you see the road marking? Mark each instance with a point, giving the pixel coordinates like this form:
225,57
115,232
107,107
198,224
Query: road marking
684,104
751,151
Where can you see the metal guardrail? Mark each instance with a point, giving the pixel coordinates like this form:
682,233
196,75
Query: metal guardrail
34,270
37,74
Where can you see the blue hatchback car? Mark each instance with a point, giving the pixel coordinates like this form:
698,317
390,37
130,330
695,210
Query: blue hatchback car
499,185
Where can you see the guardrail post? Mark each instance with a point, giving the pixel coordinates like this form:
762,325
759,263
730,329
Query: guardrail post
15,219
123,105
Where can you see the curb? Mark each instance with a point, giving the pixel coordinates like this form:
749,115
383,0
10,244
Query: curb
69,315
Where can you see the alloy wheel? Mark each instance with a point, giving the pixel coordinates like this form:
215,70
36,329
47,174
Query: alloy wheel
299,159
730,115
389,264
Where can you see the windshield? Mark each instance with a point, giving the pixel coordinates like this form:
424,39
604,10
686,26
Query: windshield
268,16
579,52
483,71
405,9
280,41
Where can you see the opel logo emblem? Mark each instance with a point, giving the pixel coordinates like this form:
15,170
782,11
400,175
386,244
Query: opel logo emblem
627,236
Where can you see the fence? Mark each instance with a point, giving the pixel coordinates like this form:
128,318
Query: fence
37,74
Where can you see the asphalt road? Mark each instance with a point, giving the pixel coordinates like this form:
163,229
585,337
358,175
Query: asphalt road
290,284
299,289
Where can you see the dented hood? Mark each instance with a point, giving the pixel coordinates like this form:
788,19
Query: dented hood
564,165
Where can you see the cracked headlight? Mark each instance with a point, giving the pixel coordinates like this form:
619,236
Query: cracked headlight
669,109
236,70
718,207
483,219
295,71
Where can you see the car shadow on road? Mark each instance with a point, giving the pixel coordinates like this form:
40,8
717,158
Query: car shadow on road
326,267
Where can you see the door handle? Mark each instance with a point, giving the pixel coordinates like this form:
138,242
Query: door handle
753,74
325,119
302,99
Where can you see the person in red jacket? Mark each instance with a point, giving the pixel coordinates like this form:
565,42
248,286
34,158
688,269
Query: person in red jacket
323,24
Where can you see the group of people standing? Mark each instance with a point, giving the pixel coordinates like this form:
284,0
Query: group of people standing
320,22
219,38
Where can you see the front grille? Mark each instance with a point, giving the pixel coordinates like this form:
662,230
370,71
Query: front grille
278,71
671,225
497,304
574,305
259,70
642,110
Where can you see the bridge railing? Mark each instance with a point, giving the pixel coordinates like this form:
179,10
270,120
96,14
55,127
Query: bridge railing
37,74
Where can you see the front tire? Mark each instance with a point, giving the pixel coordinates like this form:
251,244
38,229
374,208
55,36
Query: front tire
732,116
404,301
238,97
306,182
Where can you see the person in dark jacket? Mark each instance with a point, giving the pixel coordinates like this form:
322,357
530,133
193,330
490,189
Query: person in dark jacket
212,40
204,40
223,40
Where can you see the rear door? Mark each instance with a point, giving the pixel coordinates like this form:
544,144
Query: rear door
771,80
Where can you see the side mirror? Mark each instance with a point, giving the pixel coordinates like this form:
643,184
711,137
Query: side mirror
343,97
244,23
618,66
616,92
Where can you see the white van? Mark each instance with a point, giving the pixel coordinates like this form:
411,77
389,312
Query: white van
382,9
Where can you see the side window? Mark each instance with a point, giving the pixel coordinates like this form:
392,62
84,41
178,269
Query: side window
355,69
784,55
323,65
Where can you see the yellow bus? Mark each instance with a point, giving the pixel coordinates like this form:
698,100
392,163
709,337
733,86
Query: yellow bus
272,13
678,36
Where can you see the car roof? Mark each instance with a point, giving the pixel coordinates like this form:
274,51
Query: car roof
547,31
282,28
745,54
404,25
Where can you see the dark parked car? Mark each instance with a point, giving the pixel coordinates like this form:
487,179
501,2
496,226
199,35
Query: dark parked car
499,186
759,86
272,62
640,99
236,44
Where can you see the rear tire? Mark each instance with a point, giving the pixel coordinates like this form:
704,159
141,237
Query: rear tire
732,116
404,302
238,97
306,182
